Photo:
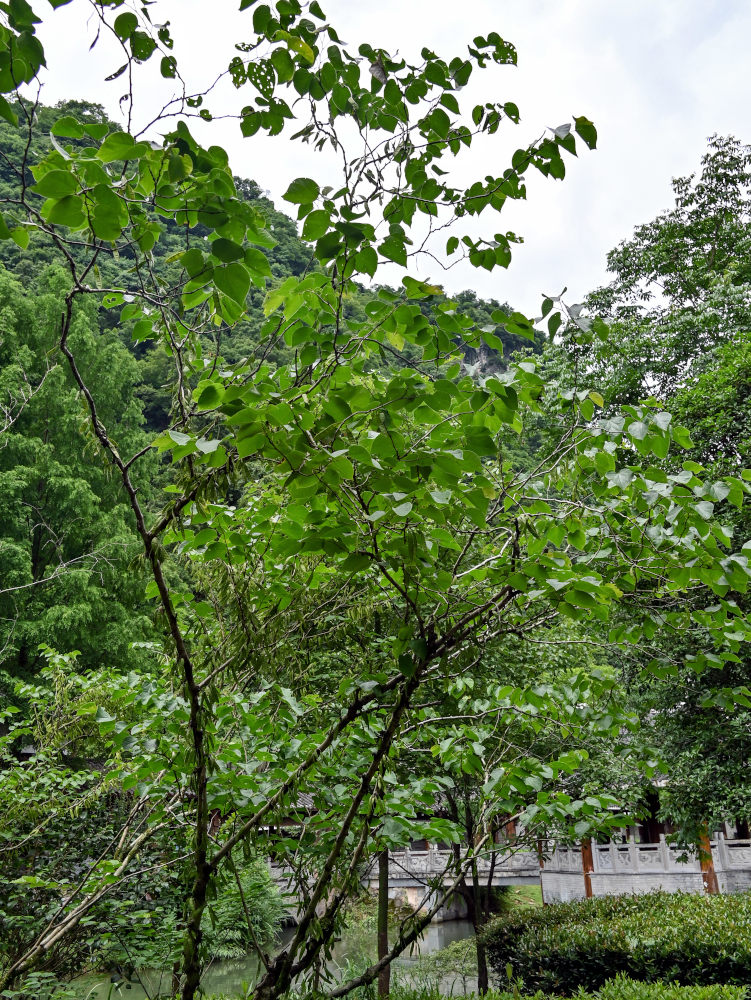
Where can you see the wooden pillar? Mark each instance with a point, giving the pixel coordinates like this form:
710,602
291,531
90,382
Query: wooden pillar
708,875
587,866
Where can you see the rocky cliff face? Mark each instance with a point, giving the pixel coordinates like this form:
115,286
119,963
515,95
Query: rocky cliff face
483,360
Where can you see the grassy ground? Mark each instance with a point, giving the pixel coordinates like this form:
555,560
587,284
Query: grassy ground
525,895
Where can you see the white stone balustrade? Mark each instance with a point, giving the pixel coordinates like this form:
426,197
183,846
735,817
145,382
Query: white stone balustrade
635,868
409,864
617,868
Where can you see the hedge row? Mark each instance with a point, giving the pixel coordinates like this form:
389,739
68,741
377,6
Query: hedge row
682,938
629,989
615,989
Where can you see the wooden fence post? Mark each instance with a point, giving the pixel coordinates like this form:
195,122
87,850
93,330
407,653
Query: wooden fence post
587,866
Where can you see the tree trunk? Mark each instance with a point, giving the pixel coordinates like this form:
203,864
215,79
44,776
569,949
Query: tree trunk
194,934
477,924
175,980
488,901
202,871
384,976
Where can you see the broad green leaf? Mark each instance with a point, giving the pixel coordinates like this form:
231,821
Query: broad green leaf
121,146
68,127
297,44
7,112
587,131
376,515
56,184
366,261
258,264
68,211
209,396
125,24
316,224
141,45
302,191
393,248
441,496
226,250
20,237
233,279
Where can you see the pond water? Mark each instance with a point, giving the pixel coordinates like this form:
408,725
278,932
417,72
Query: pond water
231,977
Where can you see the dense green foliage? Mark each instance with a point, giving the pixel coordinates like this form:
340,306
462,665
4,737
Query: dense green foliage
247,912
681,938
67,545
66,811
366,524
625,989
618,988
679,306
67,542
43,987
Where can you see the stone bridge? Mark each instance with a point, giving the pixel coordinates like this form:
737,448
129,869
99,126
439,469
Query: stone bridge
416,868
573,872
414,876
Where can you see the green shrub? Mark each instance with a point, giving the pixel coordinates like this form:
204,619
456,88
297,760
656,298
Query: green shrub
629,989
451,969
683,938
615,989
255,898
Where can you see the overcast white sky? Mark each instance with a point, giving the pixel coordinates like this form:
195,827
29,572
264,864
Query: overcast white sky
656,76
